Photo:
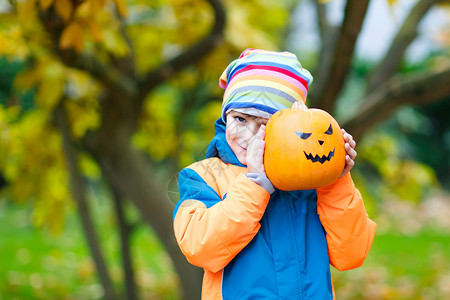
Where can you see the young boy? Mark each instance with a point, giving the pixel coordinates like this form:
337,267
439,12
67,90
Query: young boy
252,240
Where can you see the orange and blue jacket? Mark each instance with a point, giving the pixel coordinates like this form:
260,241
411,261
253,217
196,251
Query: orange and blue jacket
256,245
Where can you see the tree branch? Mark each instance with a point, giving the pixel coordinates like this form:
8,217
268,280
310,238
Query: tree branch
114,79
329,83
190,56
328,37
3,182
78,191
322,21
125,230
418,90
405,35
127,63
108,75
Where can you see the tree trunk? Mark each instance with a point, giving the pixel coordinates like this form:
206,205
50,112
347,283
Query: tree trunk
130,172
78,192
125,229
406,34
329,84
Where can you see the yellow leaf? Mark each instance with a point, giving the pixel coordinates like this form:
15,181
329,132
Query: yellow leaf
49,92
64,9
27,10
72,36
242,35
83,116
89,9
121,7
114,43
44,4
97,5
52,83
96,30
89,167
84,10
12,43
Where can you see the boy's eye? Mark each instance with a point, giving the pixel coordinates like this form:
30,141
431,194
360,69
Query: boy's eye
240,119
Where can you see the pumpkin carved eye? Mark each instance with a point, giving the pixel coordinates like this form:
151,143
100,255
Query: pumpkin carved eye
303,135
329,130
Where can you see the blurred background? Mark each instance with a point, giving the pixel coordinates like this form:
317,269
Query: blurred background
102,102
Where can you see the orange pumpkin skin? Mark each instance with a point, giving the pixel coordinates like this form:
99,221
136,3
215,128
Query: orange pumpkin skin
304,149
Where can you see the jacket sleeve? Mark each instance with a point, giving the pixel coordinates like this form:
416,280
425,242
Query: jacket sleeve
350,232
211,231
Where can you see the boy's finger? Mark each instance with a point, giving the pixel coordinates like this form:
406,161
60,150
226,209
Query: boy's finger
350,162
261,149
350,151
347,137
352,143
261,132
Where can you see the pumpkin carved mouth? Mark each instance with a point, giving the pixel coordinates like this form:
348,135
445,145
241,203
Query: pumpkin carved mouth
317,158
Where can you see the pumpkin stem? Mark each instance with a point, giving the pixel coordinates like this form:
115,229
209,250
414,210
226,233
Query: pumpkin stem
299,105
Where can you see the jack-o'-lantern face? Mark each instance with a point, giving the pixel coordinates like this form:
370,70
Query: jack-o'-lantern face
304,149
322,156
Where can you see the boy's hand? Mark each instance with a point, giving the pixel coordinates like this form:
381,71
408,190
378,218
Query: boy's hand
350,145
255,152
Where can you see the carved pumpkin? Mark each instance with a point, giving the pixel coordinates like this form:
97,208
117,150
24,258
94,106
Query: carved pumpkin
304,149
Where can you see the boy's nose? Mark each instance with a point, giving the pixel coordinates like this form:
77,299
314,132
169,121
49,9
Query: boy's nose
320,142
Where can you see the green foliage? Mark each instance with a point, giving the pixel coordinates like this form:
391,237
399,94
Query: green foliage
409,258
34,170
429,140
40,265
7,72
390,272
8,95
397,174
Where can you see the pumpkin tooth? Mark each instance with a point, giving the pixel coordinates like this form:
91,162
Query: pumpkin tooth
317,158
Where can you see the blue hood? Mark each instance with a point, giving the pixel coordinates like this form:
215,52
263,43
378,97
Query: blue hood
218,147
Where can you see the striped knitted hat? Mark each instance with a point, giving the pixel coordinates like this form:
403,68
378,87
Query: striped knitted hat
265,80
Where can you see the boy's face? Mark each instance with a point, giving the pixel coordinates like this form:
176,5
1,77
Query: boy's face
240,130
